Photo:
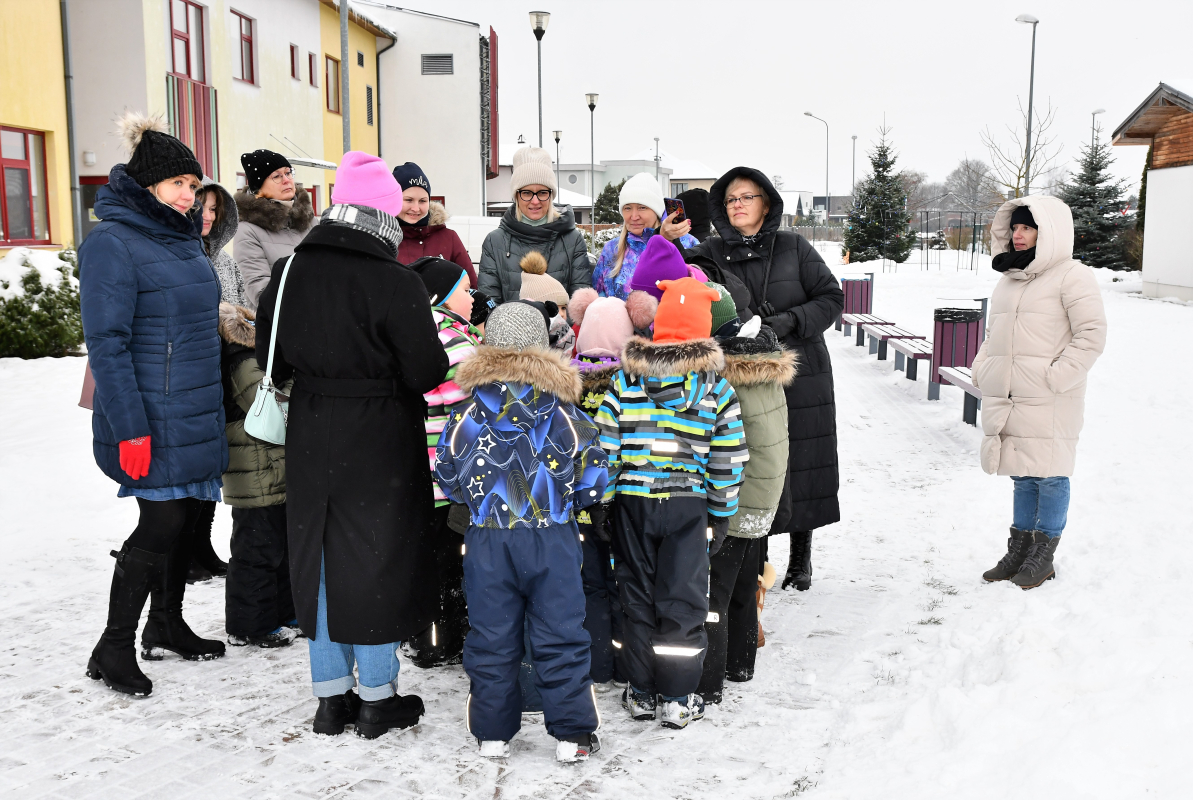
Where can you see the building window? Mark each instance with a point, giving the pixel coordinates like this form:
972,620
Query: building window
360,59
295,63
441,64
186,40
24,212
333,84
313,69
678,188
313,191
369,104
244,61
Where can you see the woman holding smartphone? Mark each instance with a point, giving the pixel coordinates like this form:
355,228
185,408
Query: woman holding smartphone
642,209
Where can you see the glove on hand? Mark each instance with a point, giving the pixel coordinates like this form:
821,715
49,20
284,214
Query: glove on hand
134,457
599,514
781,324
458,518
720,529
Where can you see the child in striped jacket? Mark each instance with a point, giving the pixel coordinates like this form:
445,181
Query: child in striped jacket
451,308
672,428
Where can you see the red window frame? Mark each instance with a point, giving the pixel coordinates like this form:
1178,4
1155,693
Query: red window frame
295,64
27,165
314,192
313,69
249,74
327,62
184,35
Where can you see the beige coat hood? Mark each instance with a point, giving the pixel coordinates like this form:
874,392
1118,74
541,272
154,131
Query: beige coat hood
1047,328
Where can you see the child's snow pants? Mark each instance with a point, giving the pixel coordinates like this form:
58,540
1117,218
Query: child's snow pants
530,574
257,592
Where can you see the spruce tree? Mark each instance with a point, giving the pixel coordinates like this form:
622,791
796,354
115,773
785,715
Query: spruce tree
878,224
1096,200
607,210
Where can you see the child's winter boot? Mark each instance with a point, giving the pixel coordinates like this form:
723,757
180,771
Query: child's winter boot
571,749
495,748
678,713
641,705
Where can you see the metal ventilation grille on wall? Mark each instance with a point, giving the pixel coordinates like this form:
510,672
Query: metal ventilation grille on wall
369,104
438,64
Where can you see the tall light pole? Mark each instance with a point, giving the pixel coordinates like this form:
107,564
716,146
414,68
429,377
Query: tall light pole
656,158
828,198
1093,121
591,97
557,135
538,23
345,115
853,184
1028,19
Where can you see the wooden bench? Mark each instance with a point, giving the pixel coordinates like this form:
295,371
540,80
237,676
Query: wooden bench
848,321
881,334
962,378
911,351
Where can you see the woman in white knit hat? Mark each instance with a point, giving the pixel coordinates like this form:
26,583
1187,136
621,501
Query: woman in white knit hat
641,203
533,223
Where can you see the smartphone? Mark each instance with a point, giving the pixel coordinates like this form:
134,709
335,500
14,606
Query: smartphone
674,209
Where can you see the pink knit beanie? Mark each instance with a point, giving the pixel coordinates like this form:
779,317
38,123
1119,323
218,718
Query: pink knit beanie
605,325
365,180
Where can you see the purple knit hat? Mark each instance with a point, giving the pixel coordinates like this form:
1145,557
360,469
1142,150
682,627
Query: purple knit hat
660,261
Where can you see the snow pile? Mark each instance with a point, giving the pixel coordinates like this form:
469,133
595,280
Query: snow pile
19,261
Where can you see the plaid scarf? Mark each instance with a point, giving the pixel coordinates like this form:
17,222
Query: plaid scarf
369,220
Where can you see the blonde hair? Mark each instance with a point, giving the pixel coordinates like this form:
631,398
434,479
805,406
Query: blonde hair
740,179
623,243
552,212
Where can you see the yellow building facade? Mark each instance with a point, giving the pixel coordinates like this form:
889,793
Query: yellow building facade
35,202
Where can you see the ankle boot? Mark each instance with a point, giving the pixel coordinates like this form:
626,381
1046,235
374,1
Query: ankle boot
165,628
1009,564
380,716
799,566
1037,566
335,712
114,659
203,555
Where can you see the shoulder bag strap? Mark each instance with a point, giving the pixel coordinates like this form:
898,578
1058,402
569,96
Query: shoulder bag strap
277,312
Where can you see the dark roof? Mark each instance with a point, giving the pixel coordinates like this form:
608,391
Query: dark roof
1153,114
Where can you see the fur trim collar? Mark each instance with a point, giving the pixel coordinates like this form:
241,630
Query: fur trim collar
600,378
235,325
651,360
545,370
761,368
437,214
272,215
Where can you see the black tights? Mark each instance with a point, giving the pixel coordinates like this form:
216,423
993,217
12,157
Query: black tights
163,521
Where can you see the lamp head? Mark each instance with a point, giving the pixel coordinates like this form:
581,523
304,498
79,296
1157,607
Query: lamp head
807,113
591,97
1026,19
1099,111
557,135
538,23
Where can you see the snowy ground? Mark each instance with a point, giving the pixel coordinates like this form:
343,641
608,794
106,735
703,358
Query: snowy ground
899,674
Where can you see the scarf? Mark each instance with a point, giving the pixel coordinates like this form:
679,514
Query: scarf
373,221
1013,259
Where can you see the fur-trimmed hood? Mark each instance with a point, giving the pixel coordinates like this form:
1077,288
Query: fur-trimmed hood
595,380
758,361
224,230
236,325
274,216
436,220
653,360
548,371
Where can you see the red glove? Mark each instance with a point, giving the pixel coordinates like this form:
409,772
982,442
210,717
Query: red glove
134,457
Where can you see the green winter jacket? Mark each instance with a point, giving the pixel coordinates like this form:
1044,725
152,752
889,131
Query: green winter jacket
500,272
758,369
256,475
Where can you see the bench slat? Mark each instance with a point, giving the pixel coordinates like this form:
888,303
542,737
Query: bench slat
913,348
962,378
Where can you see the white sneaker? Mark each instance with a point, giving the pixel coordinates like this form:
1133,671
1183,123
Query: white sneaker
677,715
495,749
567,752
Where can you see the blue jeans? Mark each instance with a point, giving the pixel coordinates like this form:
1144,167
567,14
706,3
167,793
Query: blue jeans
332,662
1042,504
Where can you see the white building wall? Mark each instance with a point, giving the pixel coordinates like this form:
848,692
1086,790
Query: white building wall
433,120
1167,255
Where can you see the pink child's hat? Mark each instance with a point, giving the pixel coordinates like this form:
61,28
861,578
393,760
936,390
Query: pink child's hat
365,180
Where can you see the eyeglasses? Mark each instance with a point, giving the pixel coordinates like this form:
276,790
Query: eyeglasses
746,200
282,175
525,195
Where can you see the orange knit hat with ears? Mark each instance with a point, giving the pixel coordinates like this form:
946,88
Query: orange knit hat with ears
685,312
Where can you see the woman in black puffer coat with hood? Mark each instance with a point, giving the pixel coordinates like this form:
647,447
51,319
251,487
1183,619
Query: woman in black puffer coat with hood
796,295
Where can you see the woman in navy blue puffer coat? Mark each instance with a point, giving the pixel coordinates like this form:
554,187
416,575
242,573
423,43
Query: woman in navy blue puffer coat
150,303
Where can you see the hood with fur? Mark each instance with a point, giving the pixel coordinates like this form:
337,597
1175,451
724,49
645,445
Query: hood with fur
675,375
596,376
274,216
758,361
547,371
436,220
236,325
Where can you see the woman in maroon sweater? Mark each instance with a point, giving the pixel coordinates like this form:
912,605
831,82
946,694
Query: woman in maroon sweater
424,223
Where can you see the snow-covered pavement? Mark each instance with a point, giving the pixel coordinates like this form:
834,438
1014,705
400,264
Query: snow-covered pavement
899,674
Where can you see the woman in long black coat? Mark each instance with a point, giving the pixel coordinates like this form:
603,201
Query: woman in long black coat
795,293
355,331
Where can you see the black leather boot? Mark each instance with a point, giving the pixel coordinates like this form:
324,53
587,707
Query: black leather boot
1009,564
1038,565
114,659
336,712
381,716
203,556
799,565
165,628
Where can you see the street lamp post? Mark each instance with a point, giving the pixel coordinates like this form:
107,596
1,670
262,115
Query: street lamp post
656,158
591,97
1093,121
538,23
557,135
1028,19
828,198
853,179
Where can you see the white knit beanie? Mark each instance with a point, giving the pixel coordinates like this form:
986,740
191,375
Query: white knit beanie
533,165
644,190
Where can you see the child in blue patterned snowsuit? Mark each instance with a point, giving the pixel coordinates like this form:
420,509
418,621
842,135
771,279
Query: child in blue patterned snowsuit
524,458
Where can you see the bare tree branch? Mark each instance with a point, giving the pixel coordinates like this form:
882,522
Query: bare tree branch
1009,161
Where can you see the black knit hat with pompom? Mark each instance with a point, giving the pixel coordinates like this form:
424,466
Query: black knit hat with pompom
155,154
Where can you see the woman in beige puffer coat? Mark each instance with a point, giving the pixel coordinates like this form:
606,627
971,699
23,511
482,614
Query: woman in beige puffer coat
1047,328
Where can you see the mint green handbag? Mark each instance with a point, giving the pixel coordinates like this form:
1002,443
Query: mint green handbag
267,418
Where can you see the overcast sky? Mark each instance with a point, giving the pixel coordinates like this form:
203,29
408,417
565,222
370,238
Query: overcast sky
727,82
